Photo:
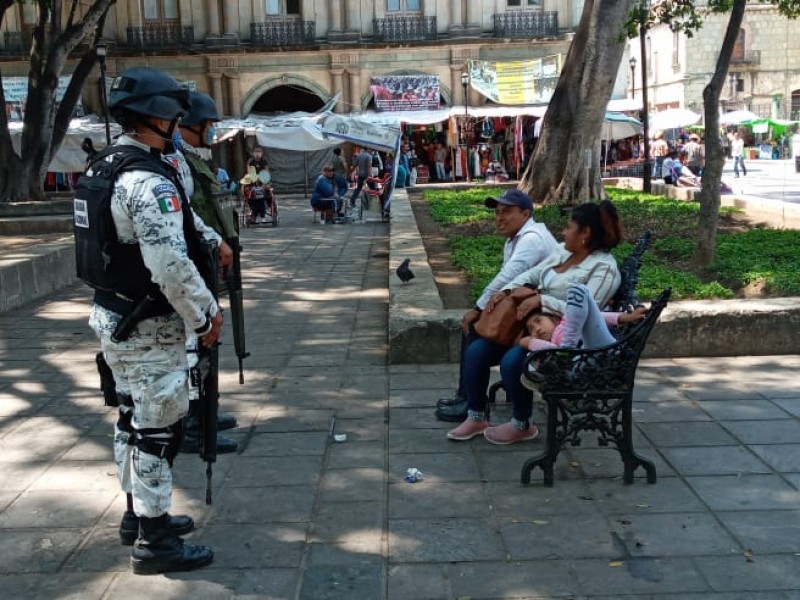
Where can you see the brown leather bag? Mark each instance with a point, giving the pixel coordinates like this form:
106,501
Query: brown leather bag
501,325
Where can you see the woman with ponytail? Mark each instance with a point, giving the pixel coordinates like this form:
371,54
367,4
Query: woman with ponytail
584,258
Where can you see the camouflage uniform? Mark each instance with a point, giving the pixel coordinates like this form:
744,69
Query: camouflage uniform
151,364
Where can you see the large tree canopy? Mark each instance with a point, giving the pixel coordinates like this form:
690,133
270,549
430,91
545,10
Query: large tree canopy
54,38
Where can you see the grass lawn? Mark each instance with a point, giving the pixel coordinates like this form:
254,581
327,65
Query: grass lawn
757,260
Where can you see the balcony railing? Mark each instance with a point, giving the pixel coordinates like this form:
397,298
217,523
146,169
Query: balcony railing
526,24
160,36
16,43
406,28
283,32
752,57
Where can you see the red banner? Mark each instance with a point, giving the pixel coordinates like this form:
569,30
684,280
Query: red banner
405,92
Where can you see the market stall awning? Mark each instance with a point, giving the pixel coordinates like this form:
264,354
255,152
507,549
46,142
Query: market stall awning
70,158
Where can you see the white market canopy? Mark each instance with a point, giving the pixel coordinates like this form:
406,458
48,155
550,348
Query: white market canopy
70,158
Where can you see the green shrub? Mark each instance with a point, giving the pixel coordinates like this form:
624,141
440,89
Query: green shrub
762,256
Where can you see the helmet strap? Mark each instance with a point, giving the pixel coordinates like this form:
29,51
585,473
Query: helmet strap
169,146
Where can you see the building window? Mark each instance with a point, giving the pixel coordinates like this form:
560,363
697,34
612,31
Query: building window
739,47
795,105
160,10
517,4
29,14
405,6
283,8
676,46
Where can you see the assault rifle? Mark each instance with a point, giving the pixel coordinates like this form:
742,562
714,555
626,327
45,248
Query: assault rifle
233,275
207,371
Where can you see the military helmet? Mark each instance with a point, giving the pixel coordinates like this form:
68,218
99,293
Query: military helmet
149,92
203,109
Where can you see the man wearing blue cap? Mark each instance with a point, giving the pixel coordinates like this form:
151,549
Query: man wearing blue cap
527,244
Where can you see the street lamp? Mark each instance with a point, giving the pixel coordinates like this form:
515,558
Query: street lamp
632,63
100,50
647,167
465,84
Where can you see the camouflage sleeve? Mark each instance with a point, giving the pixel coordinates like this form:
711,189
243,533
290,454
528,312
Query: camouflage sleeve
153,207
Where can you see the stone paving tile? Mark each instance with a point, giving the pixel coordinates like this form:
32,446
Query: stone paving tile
351,485
516,579
635,576
785,431
350,523
564,536
714,460
748,492
612,498
263,505
423,540
664,411
42,550
67,508
18,476
737,574
690,534
686,434
287,444
256,471
354,454
255,546
345,582
743,410
607,462
436,499
425,440
765,532
784,458
790,404
64,586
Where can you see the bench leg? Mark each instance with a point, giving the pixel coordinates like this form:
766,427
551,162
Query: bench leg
547,459
630,458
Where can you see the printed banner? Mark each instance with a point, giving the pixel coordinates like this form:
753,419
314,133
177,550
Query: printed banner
15,90
518,82
352,129
405,92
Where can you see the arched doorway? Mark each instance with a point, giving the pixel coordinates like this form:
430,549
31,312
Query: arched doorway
287,98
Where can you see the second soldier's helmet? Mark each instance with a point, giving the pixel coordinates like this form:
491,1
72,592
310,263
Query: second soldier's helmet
203,109
148,92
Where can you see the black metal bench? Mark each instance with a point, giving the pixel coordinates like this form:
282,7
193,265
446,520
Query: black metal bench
624,300
592,390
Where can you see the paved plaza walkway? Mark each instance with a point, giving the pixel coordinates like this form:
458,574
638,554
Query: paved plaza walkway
298,515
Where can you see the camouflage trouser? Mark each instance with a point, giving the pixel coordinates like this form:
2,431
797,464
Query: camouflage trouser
154,374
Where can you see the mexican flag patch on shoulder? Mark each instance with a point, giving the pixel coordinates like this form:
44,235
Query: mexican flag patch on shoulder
169,204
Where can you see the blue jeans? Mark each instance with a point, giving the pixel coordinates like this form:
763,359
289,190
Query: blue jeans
480,356
739,160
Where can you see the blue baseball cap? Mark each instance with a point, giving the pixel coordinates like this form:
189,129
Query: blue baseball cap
512,197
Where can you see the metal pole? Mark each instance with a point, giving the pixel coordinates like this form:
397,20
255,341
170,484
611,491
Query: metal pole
101,55
647,165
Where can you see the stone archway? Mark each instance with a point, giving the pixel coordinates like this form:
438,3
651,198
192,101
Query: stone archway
285,93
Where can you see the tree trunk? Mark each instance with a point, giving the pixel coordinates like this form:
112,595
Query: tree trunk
715,159
52,44
556,174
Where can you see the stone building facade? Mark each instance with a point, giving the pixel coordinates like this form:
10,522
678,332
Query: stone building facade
282,55
763,77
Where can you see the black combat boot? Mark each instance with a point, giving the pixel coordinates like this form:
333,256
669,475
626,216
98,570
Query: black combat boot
159,550
129,527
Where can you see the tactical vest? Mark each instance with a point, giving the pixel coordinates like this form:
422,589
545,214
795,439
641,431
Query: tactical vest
114,269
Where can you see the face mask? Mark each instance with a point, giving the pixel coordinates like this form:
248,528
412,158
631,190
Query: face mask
211,133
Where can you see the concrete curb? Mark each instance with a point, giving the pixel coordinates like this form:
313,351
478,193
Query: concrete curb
35,272
421,331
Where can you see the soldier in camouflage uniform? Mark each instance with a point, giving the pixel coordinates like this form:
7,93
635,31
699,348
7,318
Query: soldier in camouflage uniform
150,367
196,132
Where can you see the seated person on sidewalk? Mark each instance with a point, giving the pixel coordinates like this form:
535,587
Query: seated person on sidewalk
257,196
583,323
327,194
585,257
527,244
667,167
